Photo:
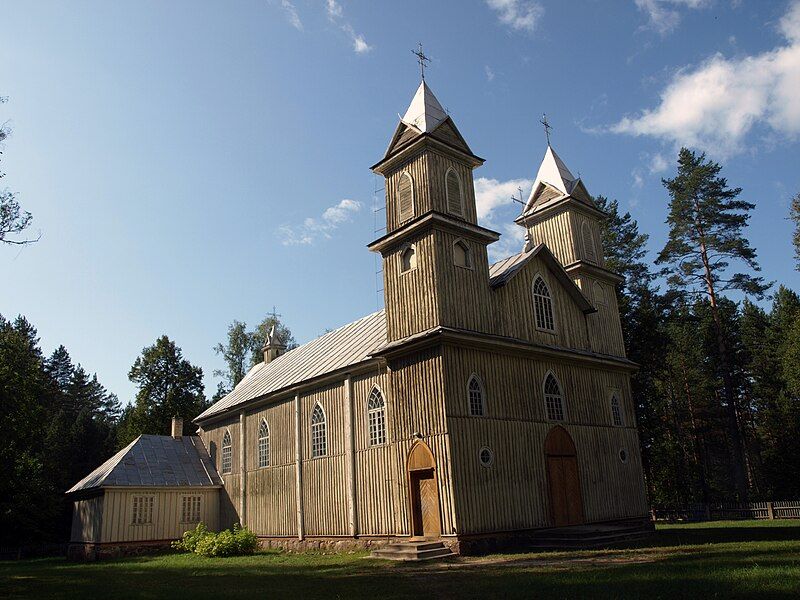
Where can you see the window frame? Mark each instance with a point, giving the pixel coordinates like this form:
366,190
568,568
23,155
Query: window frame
405,249
460,213
561,396
400,216
587,235
461,242
617,416
482,388
142,506
226,453
195,508
381,438
550,302
263,444
323,425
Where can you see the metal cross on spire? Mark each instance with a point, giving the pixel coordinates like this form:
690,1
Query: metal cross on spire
274,314
547,127
421,59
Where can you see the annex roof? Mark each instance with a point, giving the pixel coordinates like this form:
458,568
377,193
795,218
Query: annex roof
501,272
341,348
424,113
155,460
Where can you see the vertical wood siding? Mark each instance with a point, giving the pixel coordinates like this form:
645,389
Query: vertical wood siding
167,514
556,231
87,516
605,330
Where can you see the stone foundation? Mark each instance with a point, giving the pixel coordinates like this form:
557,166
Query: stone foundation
91,551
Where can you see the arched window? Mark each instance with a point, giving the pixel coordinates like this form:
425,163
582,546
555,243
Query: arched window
588,243
227,453
616,412
405,197
553,398
319,432
542,305
475,396
263,444
461,255
599,294
376,418
455,202
408,259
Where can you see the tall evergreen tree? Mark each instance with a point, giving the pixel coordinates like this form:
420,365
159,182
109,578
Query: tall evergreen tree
794,214
169,385
235,352
13,220
706,222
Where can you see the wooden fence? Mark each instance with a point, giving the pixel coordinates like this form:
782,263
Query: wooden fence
786,509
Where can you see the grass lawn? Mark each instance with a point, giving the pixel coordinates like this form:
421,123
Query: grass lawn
721,559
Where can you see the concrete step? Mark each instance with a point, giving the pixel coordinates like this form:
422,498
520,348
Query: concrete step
413,551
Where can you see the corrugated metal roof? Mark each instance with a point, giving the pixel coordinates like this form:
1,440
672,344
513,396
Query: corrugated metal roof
503,270
155,460
340,348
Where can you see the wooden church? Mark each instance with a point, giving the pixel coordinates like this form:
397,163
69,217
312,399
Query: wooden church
484,404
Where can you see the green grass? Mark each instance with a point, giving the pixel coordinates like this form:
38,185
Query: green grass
705,560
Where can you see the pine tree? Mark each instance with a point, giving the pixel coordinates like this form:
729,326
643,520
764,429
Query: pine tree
706,221
794,215
13,220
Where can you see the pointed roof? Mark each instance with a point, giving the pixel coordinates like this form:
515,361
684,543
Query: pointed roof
424,113
555,176
155,460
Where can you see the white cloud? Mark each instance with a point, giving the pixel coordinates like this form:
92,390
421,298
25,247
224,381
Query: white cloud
489,73
658,163
313,229
291,14
715,105
664,15
511,242
520,15
491,194
336,16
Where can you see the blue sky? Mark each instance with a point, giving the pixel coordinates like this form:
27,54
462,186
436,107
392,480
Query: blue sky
188,163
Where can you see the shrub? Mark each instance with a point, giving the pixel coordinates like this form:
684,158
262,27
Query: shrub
235,542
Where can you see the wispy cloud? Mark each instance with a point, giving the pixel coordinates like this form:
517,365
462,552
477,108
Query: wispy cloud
291,13
519,15
715,105
489,73
336,16
491,194
664,15
658,163
313,229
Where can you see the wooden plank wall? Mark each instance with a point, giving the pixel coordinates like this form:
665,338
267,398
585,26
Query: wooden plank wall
87,521
557,232
577,219
230,498
605,330
512,494
167,513
513,310
417,166
439,164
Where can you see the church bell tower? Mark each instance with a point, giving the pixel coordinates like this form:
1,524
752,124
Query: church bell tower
435,265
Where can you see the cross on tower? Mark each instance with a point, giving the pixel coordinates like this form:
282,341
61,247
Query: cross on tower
547,127
274,314
421,59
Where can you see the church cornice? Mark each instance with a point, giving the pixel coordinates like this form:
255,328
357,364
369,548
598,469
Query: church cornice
582,266
401,153
462,338
430,220
553,206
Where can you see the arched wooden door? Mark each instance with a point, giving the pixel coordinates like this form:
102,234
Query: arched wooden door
566,505
424,492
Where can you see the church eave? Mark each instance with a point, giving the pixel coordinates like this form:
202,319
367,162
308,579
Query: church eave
399,154
537,212
596,270
427,221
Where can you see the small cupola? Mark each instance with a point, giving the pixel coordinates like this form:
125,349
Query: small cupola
273,347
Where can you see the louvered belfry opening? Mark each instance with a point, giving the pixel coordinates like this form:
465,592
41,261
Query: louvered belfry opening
405,194
455,203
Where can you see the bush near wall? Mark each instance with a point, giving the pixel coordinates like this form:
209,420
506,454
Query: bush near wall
229,542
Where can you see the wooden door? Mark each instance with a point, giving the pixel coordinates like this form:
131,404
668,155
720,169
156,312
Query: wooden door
425,504
563,479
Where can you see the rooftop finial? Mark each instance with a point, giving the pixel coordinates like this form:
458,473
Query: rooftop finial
547,127
421,59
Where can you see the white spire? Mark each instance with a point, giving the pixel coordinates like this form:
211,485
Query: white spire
553,172
424,113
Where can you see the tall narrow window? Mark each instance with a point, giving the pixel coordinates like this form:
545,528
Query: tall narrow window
405,197
319,432
588,243
408,259
475,396
553,399
461,255
142,510
263,444
227,453
190,509
455,202
542,305
599,294
376,418
616,412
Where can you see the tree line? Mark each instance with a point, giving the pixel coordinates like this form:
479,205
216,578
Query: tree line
717,394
